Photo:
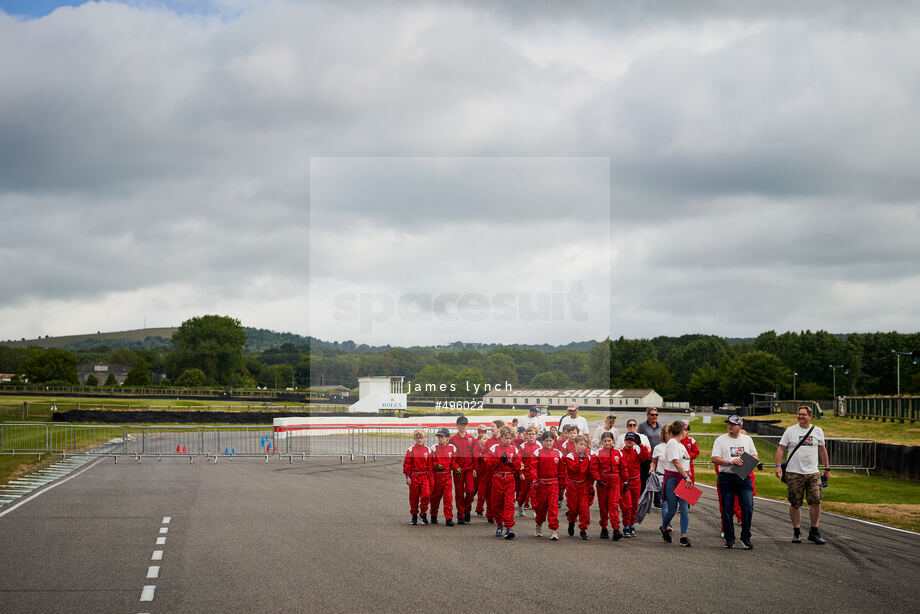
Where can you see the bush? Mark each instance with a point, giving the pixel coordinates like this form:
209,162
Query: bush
92,380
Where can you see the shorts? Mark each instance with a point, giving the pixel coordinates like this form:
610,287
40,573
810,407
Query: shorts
799,484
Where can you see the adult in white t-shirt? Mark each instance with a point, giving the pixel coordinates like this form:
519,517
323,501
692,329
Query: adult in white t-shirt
607,426
676,470
802,477
572,417
727,451
533,418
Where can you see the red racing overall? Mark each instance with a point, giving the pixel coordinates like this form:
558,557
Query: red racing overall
463,481
577,488
607,468
694,451
530,471
415,467
443,461
629,496
503,481
485,480
549,470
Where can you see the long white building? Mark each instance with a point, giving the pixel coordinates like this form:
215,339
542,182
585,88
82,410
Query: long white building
624,398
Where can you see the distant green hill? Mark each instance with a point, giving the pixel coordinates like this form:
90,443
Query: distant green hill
140,338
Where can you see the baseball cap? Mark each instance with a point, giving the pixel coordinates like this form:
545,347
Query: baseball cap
443,433
573,406
534,408
735,419
633,436
463,420
521,429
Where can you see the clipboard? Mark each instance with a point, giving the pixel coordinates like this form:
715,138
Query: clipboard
690,494
744,470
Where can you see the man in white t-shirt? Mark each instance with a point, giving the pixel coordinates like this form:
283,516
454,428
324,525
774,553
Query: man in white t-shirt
572,417
802,475
607,426
534,418
726,453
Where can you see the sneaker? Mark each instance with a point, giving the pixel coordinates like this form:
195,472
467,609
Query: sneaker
728,544
554,537
665,534
520,511
722,534
509,534
617,536
491,521
604,533
685,542
434,519
747,545
527,506
477,513
538,531
460,520
449,522
583,535
796,536
498,532
626,532
467,517
571,529
414,519
632,530
815,536
423,519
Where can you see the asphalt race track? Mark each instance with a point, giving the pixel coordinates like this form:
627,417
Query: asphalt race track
319,536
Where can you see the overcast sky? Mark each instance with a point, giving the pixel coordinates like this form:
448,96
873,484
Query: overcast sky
418,173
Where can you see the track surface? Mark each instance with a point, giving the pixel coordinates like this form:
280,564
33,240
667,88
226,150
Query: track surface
325,537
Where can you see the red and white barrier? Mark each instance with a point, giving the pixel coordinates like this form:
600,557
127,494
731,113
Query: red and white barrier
307,426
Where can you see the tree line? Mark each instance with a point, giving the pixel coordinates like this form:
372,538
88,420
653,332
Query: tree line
702,369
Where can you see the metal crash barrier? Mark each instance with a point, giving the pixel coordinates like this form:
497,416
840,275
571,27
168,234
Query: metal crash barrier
345,442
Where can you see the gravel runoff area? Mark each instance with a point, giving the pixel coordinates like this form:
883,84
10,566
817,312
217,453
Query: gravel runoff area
320,536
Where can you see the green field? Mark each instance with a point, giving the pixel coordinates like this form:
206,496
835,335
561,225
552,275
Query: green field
884,432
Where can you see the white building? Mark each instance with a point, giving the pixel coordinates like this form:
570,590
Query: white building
379,392
624,398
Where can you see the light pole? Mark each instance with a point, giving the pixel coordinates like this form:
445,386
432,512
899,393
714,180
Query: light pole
846,370
794,375
914,358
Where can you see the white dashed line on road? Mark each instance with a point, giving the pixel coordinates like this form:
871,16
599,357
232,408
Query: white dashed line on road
153,571
147,593
166,519
161,541
157,555
164,530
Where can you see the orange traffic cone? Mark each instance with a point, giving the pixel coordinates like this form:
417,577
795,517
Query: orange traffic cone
268,448
177,448
184,451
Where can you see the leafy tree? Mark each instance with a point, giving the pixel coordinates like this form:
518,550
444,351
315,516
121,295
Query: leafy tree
599,375
433,381
91,380
756,371
192,378
704,387
625,352
111,380
50,365
499,368
466,381
913,386
211,343
550,379
810,391
139,375
704,352
648,374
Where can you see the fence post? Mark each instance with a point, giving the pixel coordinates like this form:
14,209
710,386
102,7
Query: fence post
25,410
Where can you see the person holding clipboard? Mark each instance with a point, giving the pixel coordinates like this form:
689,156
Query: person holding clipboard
734,455
676,475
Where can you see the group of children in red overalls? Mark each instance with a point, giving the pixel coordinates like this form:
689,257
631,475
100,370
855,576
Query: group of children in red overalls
502,472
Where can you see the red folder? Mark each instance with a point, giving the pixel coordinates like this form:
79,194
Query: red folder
690,494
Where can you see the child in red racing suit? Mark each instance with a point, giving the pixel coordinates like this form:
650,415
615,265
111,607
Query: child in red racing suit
578,486
416,469
608,469
504,459
634,454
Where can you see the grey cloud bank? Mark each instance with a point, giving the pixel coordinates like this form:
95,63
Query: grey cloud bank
164,165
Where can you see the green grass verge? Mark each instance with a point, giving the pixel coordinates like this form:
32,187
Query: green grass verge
884,432
885,500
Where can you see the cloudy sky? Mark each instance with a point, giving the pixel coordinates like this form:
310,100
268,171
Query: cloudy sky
417,173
